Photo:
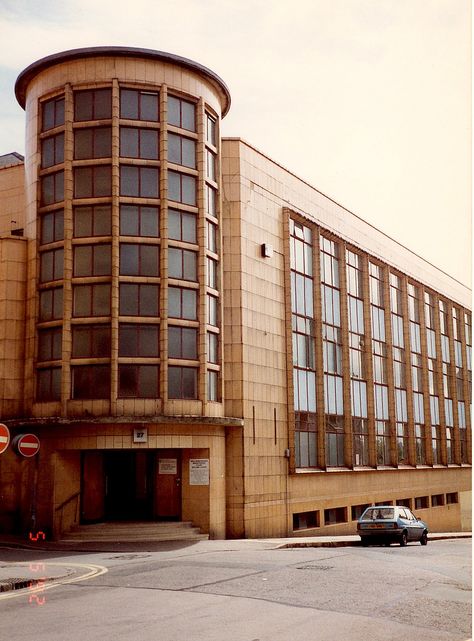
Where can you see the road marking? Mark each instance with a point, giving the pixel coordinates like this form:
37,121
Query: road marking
92,572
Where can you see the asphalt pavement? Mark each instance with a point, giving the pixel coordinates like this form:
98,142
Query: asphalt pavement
15,576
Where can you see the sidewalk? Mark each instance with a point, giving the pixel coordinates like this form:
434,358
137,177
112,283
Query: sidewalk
15,576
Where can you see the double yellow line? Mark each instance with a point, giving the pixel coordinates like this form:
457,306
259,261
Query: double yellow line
91,571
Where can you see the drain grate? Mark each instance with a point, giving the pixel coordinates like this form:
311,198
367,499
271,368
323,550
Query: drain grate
129,557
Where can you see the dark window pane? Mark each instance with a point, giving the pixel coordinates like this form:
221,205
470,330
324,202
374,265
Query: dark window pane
83,222
174,342
129,220
174,302
129,259
188,190
128,142
175,265
174,382
149,260
128,299
149,106
83,105
149,300
189,338
102,142
102,181
83,182
149,222
148,381
102,220
129,185
189,265
90,381
129,104
102,260
47,152
187,115
149,182
128,375
149,340
149,144
48,115
189,304
102,103
82,260
101,300
189,153
83,144
189,382
174,148
174,186
174,111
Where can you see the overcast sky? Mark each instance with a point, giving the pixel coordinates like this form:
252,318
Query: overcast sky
367,100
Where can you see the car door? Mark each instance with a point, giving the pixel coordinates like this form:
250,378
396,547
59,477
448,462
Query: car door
415,528
405,521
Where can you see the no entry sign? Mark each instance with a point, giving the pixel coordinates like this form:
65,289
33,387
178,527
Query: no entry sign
26,444
4,437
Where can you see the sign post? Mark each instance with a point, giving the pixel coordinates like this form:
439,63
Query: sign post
4,437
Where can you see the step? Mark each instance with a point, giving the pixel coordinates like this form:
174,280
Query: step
135,531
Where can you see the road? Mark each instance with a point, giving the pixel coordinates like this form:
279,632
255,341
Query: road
226,591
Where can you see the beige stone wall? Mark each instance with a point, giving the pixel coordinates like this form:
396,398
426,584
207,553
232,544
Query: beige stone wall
12,195
12,324
261,494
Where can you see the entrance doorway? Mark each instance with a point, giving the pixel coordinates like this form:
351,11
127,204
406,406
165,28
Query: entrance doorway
130,485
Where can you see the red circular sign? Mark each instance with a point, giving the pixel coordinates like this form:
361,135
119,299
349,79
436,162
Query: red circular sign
27,444
4,437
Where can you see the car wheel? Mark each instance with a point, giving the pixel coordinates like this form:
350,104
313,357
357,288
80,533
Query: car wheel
424,538
403,539
364,540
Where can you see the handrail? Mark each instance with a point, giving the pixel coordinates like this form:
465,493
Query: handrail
64,503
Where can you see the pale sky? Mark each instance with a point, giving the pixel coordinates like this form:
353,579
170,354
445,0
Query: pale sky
367,100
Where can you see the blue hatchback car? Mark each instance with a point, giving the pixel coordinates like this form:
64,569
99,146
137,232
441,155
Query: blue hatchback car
388,524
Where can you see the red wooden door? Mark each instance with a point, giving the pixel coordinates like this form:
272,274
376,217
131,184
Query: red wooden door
168,485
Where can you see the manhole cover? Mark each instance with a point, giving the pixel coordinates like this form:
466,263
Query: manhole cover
315,567
129,557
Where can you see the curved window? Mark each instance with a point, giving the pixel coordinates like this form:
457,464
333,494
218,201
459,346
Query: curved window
139,300
92,260
182,151
52,113
139,260
92,182
95,104
91,300
139,105
52,151
139,221
95,142
139,143
142,182
181,113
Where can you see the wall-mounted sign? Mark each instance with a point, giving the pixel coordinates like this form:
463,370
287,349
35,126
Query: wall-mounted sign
199,471
140,434
26,444
167,466
4,437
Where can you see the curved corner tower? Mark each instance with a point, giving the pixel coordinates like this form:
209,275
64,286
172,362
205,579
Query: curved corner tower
124,343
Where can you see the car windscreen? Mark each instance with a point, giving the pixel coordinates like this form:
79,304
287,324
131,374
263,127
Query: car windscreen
379,513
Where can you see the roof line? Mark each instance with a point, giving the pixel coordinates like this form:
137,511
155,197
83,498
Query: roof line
245,142
35,68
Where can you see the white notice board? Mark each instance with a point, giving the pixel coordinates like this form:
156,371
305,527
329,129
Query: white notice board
199,471
167,466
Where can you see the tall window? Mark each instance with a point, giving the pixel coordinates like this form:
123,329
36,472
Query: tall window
357,367
304,367
181,113
52,112
379,351
464,409
417,370
52,151
399,365
332,352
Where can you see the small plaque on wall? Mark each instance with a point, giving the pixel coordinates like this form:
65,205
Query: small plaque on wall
167,466
199,471
140,434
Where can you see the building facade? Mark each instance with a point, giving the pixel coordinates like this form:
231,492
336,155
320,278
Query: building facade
195,334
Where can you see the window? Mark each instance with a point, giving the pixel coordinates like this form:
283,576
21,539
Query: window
211,201
334,441
305,440
421,502
91,300
92,182
53,113
92,221
420,444
404,503
50,344
212,347
360,442
139,299
52,151
182,264
211,165
90,381
182,303
51,304
139,105
52,227
182,382
182,151
212,310
139,340
436,444
181,113
139,221
182,188
182,226
48,384
212,385
95,142
358,510
211,236
211,272
139,143
182,342
139,260
382,437
92,260
52,188
91,341
305,520
211,130
451,497
139,381
402,442
335,515
437,500
140,181
51,265
95,104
